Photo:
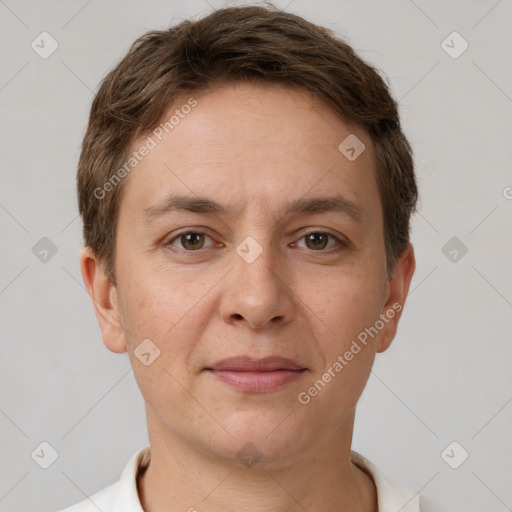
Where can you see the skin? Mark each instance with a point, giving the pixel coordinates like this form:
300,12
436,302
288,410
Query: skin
254,148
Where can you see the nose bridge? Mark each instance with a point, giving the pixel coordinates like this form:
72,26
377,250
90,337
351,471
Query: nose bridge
257,262
257,292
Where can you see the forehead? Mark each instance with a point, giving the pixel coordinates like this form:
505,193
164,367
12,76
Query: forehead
267,144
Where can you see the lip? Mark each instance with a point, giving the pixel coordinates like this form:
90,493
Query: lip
249,364
257,375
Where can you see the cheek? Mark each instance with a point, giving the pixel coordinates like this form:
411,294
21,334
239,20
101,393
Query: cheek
146,310
168,309
160,341
351,306
150,304
150,311
345,304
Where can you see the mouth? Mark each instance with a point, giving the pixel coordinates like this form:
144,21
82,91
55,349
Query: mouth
257,375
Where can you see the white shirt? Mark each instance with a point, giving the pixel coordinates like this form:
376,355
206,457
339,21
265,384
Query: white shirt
122,496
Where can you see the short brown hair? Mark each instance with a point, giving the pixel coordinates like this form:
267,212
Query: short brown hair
253,43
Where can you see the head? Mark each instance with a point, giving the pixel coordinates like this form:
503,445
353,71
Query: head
246,190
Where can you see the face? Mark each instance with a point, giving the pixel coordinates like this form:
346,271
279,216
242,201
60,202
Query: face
246,233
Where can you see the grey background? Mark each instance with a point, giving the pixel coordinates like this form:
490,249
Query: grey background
447,375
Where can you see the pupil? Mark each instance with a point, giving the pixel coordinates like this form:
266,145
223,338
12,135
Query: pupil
191,239
317,239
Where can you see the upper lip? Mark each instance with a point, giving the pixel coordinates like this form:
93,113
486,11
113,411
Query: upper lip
249,364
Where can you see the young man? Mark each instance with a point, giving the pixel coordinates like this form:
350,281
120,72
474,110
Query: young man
246,191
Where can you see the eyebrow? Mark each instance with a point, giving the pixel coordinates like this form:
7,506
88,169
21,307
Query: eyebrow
206,206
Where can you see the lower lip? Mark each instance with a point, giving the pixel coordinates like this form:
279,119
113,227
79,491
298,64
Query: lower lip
258,382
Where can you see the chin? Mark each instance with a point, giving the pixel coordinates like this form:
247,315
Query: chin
266,439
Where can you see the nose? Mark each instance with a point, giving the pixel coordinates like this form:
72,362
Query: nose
256,292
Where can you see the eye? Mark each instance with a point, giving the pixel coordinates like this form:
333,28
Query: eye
190,240
317,240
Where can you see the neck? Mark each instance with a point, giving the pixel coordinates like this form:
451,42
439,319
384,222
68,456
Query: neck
182,478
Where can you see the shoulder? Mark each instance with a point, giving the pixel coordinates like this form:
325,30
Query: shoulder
391,495
121,496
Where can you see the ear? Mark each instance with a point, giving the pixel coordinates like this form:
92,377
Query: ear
103,294
397,289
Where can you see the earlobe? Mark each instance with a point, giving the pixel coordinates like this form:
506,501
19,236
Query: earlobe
398,288
104,298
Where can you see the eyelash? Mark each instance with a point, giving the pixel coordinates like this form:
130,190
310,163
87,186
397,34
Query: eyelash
340,243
